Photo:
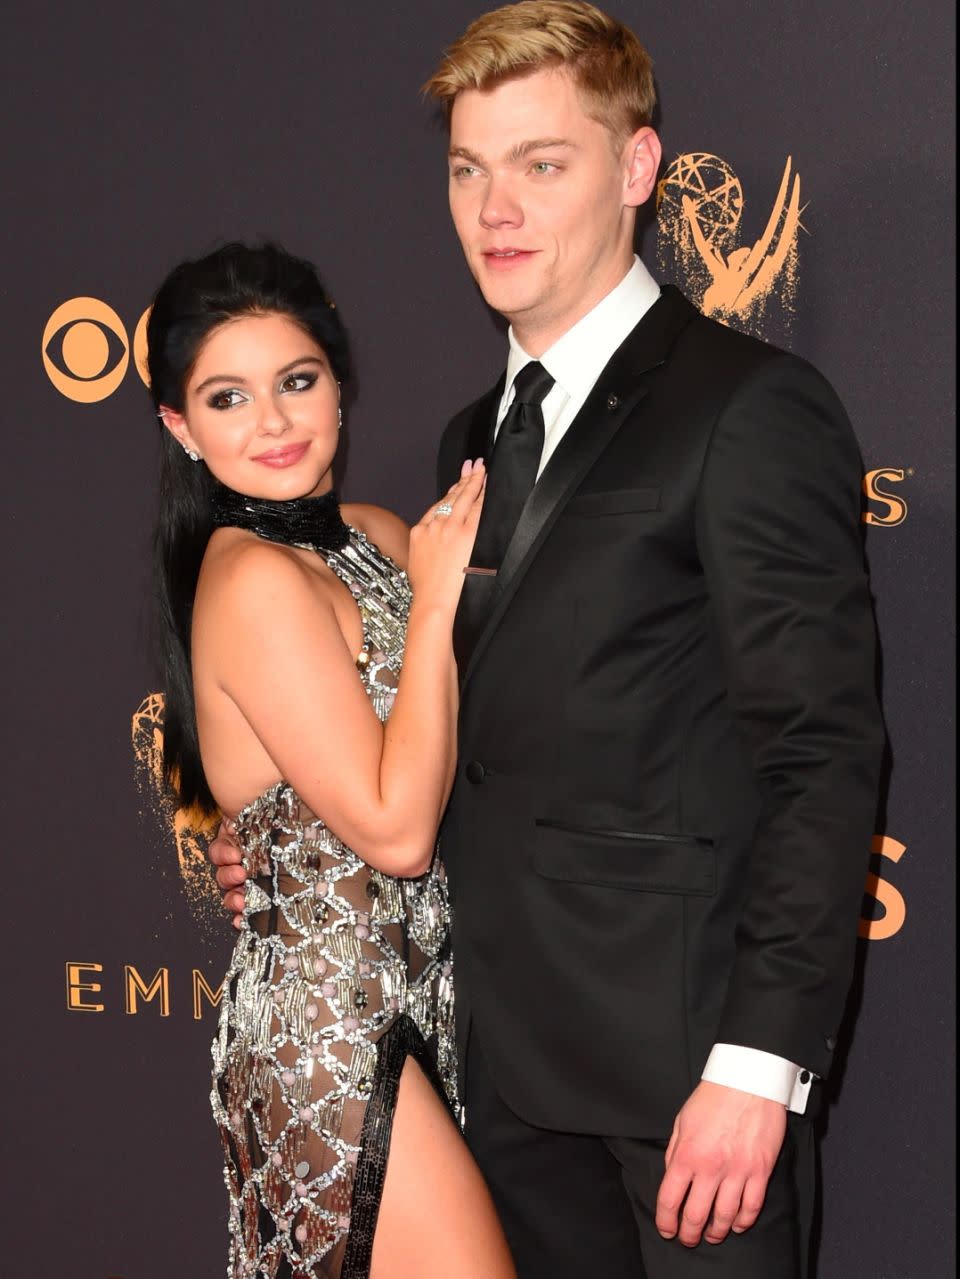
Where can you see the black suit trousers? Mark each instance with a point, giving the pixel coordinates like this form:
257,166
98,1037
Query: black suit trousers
582,1207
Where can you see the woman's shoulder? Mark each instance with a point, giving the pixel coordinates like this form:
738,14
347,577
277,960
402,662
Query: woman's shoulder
382,527
239,565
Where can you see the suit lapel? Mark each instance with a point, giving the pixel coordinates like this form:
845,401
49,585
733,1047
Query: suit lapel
470,434
619,389
476,594
478,439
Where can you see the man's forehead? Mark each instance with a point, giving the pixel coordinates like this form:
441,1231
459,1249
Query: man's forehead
542,106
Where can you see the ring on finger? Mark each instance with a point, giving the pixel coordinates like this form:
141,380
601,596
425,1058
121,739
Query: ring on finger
445,508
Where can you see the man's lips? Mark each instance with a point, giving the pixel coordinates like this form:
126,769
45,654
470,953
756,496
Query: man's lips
288,455
507,258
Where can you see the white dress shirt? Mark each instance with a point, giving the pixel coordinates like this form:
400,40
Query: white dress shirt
575,361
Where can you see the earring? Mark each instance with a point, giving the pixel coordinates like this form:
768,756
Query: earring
194,457
339,417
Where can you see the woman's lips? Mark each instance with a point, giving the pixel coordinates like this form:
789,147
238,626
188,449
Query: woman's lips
289,455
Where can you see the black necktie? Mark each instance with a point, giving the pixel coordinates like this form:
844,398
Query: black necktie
512,469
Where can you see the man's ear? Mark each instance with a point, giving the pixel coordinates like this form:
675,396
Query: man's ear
176,424
642,154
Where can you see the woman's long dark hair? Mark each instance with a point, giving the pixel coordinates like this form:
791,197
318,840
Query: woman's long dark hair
193,300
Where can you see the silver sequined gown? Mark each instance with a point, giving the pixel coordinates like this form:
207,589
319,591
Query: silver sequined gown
339,974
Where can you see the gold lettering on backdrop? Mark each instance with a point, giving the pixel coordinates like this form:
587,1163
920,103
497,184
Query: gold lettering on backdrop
200,988
191,831
136,990
134,985
76,987
889,897
896,507
700,205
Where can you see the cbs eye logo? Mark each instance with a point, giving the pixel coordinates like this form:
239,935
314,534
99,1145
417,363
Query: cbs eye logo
86,351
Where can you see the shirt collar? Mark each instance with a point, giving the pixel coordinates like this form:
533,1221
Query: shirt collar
577,359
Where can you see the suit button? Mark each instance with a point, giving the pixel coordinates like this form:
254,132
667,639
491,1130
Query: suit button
831,1043
475,772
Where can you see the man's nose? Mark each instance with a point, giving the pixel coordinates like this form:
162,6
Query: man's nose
500,207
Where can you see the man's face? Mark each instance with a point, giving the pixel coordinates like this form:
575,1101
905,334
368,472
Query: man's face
543,206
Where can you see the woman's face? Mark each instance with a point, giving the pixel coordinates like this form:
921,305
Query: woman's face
261,408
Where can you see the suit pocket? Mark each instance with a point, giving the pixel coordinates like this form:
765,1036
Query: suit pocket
615,502
636,861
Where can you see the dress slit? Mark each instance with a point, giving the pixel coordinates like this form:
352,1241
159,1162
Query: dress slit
402,1041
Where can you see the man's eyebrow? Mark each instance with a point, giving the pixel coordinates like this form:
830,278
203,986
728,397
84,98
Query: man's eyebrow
242,381
464,153
517,152
523,149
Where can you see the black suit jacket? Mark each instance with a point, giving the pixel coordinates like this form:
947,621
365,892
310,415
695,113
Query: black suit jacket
669,734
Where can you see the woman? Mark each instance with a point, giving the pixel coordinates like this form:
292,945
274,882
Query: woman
285,620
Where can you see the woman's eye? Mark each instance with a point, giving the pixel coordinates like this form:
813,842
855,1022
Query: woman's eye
225,399
298,382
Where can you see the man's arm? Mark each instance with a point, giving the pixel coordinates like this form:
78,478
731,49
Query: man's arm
778,528
779,534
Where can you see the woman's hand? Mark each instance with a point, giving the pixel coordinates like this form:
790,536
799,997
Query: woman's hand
440,545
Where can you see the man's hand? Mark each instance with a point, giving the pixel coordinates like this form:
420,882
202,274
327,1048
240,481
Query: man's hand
719,1160
231,876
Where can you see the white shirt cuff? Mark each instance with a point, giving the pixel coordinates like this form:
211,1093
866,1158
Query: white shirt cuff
763,1074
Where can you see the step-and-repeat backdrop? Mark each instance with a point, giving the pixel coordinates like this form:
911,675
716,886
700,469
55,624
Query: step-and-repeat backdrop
806,197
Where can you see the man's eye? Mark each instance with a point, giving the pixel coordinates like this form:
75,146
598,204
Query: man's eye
298,382
543,166
464,171
225,399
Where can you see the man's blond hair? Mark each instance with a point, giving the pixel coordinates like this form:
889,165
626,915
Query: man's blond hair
608,64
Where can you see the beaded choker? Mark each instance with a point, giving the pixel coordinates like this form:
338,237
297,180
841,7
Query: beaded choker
303,521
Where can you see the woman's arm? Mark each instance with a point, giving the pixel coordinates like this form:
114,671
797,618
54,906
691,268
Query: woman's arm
281,657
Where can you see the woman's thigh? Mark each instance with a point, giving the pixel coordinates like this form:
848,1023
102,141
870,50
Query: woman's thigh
436,1218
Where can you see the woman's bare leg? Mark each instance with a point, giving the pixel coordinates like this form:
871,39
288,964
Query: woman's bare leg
436,1219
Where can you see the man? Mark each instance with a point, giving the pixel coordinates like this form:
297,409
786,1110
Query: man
669,738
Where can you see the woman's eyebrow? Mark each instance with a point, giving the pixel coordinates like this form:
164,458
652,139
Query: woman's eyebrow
242,381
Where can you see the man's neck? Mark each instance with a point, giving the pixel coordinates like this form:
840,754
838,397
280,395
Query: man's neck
536,335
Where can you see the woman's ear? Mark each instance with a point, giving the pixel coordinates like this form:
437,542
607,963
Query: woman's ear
176,424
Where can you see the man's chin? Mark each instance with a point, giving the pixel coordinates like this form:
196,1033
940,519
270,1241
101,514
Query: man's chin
510,298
